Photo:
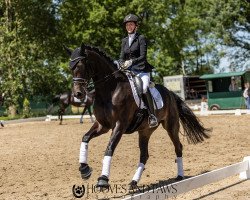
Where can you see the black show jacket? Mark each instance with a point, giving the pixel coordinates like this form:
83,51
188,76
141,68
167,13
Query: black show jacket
137,51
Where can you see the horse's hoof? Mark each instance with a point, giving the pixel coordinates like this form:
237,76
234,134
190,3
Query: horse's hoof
86,171
179,178
103,182
81,122
132,185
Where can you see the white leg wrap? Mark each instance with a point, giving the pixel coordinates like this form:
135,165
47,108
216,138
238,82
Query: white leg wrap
179,166
106,165
138,172
83,153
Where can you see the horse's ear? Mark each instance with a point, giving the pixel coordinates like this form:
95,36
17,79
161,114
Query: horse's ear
68,50
82,49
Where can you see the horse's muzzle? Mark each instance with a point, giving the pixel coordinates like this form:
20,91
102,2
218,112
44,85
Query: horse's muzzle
79,95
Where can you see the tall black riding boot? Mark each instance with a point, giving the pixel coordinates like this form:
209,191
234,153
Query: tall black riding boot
152,120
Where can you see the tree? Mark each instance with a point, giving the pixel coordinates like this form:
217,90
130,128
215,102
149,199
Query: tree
231,24
29,49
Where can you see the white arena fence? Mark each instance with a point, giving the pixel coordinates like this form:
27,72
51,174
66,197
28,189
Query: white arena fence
202,110
222,112
201,113
174,189
52,117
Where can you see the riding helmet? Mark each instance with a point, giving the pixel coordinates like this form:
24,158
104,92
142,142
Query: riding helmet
130,18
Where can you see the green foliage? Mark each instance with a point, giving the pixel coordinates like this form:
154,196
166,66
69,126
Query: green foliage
26,108
183,37
29,51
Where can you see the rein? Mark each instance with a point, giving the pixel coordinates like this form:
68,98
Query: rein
106,78
96,83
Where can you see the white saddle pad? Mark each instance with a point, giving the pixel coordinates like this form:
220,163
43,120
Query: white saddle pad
155,93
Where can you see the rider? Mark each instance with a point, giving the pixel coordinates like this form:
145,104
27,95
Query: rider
133,54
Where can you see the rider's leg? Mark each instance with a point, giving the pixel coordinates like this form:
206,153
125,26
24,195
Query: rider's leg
147,98
152,120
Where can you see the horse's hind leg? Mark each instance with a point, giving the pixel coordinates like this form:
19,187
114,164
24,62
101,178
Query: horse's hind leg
60,116
83,112
61,113
90,113
173,128
144,137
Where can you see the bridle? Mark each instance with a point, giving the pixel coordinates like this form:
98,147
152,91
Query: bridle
83,81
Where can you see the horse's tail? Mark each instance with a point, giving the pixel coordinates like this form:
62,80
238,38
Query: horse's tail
55,99
193,128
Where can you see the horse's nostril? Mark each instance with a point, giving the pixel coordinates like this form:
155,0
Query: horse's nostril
78,94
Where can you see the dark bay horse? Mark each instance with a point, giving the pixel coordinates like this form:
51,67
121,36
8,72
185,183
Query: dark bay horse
67,98
115,108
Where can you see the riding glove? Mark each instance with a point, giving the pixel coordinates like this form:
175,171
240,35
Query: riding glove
127,64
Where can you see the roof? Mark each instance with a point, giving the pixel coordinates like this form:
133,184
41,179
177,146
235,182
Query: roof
222,75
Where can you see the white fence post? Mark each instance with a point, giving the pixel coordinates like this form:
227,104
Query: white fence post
48,119
237,112
246,174
204,109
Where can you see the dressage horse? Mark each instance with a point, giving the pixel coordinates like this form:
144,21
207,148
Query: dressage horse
67,98
115,108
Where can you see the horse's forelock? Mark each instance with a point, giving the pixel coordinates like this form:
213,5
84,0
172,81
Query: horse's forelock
76,53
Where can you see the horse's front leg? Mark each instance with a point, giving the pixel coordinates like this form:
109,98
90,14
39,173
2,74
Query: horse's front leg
94,131
144,137
114,140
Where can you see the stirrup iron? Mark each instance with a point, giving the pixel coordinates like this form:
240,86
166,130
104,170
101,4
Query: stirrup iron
152,121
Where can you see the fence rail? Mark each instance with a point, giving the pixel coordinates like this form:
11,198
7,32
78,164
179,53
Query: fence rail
174,189
52,117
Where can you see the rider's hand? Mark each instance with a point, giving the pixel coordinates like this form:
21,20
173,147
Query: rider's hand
127,64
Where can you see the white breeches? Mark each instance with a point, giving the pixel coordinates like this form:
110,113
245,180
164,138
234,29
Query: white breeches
145,77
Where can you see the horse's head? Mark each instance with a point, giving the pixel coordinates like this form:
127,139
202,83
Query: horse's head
88,63
81,72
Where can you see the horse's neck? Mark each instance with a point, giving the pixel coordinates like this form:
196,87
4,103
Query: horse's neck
104,80
104,76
